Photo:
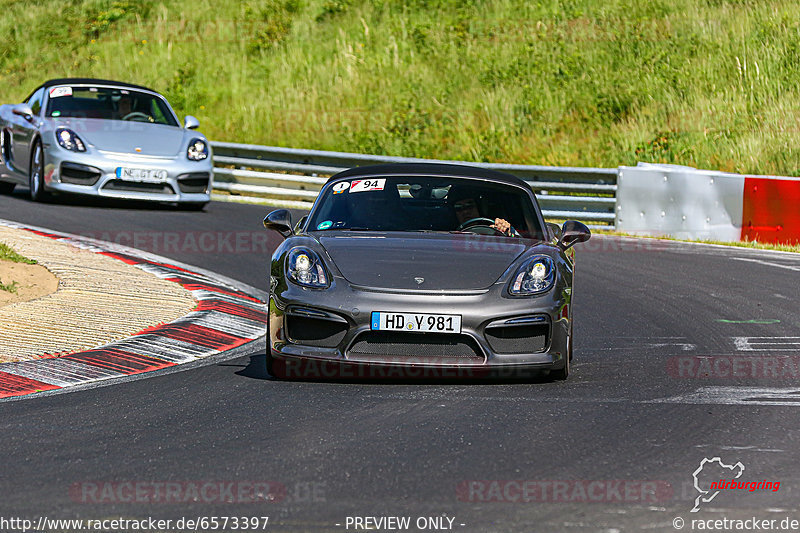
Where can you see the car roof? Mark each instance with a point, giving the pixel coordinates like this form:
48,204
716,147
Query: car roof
86,81
429,169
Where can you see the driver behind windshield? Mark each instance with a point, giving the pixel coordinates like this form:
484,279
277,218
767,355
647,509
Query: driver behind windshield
438,204
124,106
467,209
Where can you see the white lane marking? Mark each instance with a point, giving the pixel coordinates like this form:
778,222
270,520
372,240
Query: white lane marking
760,344
639,337
686,347
738,448
737,396
767,263
751,448
641,343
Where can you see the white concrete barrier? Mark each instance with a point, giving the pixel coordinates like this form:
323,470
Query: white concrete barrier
680,202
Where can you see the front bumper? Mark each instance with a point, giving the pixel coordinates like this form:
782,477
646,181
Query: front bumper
334,327
95,174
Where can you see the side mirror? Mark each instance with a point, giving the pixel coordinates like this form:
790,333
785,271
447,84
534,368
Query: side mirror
555,229
23,110
279,220
190,122
573,232
300,224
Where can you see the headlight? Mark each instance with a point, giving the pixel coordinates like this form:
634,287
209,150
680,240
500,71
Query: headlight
535,276
69,140
305,268
198,150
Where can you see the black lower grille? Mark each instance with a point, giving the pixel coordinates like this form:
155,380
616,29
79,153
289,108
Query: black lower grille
314,331
137,186
386,344
194,182
518,339
79,174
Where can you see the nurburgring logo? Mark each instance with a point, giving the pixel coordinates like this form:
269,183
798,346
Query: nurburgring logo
708,491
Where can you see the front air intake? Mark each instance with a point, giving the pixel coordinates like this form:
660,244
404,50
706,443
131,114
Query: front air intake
525,339
76,174
457,348
317,332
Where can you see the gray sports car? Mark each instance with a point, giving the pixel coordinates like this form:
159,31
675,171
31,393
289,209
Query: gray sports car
421,270
103,138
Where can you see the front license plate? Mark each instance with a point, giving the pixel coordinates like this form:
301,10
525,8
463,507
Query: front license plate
416,322
141,174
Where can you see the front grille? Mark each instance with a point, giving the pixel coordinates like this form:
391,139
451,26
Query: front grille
79,174
137,186
518,339
314,331
194,182
415,346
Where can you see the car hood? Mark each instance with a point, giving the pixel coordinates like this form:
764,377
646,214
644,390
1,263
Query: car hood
443,262
126,136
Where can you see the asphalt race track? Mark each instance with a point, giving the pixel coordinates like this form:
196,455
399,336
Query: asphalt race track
641,409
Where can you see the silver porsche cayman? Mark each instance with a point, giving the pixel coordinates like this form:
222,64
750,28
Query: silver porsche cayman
103,138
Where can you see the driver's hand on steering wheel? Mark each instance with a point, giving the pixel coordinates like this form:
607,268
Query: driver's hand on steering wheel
502,226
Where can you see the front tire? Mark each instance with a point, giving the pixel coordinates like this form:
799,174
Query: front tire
270,361
562,373
276,369
271,370
569,342
36,174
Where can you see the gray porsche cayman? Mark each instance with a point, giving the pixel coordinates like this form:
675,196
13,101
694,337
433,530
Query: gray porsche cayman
103,138
421,270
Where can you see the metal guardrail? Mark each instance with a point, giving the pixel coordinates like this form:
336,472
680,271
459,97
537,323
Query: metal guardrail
292,177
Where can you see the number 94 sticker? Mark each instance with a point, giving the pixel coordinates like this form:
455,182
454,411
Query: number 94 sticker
367,185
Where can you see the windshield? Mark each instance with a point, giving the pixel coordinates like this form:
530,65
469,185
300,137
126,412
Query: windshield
109,104
421,203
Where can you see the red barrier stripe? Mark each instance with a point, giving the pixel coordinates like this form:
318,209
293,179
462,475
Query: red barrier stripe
45,234
770,210
171,267
232,309
118,361
194,286
11,385
200,335
124,258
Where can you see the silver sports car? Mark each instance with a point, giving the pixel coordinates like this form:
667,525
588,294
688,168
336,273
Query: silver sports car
103,138
421,270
